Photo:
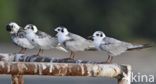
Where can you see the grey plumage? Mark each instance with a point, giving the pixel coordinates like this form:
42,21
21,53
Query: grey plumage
115,47
76,43
18,36
40,39
20,40
72,42
42,35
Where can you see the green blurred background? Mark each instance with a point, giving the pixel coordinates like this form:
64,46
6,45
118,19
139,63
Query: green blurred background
128,20
123,19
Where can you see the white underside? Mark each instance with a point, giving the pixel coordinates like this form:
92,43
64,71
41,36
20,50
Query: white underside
43,43
22,42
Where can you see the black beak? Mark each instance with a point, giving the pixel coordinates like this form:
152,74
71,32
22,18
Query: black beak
8,28
90,37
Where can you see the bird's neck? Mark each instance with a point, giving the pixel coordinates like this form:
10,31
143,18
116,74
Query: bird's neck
30,35
97,42
62,38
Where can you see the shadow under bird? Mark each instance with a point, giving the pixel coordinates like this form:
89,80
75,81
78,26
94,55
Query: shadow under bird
18,37
73,42
113,47
40,39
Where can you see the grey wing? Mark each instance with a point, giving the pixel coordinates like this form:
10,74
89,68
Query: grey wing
76,37
21,41
88,43
41,34
21,34
109,40
113,46
116,47
48,38
123,44
77,43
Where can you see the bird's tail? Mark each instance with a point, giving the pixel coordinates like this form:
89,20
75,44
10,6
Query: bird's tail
136,47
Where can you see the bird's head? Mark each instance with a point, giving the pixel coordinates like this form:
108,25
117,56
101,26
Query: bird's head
98,35
12,27
30,28
61,30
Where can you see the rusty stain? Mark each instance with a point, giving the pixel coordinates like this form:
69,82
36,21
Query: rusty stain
17,79
59,69
35,58
33,65
126,75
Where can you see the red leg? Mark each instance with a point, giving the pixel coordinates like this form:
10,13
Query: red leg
111,59
107,61
72,54
39,52
23,50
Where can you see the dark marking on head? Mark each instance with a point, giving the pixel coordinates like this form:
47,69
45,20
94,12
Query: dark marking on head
101,35
97,34
58,29
32,27
62,30
8,28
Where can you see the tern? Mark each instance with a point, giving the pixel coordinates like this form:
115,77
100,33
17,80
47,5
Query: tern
112,46
40,39
72,42
18,37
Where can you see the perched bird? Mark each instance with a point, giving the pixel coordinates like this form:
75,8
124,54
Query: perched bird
18,37
40,39
72,42
113,47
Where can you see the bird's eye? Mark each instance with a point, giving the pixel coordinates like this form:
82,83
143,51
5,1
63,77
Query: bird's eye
27,28
97,34
32,28
11,26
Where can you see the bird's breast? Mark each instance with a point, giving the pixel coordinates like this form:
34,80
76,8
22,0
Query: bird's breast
30,36
97,43
62,38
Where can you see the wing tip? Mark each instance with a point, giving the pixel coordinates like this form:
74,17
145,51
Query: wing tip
142,47
147,45
91,49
